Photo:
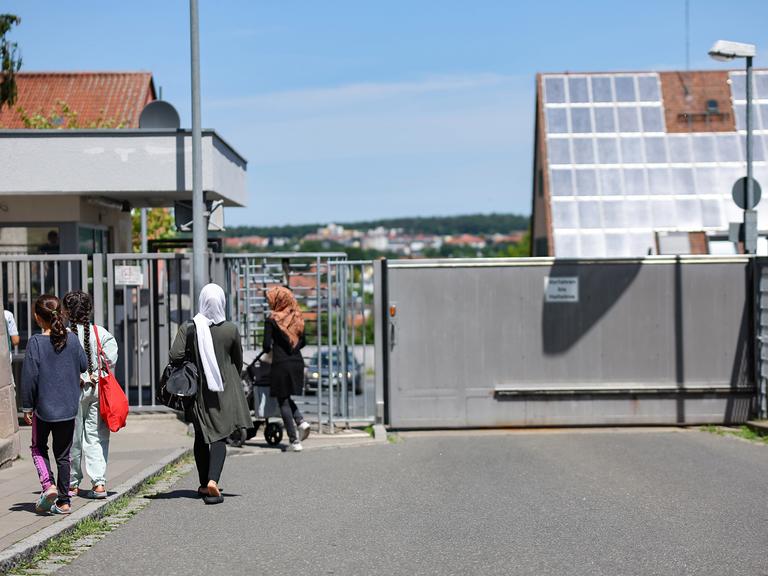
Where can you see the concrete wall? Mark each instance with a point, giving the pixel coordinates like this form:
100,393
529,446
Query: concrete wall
9,423
653,341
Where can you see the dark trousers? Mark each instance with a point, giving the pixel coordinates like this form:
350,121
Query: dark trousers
291,416
209,458
62,433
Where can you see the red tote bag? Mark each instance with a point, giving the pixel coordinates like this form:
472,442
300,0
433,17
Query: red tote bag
113,404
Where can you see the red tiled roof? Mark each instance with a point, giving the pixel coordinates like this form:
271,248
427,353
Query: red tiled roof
117,96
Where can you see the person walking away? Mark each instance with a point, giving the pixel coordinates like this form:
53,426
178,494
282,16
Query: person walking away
13,337
50,395
220,407
91,440
284,337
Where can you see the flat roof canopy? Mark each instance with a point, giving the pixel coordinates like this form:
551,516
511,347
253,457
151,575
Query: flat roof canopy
143,167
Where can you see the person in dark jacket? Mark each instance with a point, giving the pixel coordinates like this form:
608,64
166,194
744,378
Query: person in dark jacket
50,397
220,407
284,337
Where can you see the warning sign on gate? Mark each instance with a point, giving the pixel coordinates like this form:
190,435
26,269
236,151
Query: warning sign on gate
129,276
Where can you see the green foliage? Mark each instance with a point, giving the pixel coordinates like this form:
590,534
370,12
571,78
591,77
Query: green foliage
438,225
160,225
61,116
10,61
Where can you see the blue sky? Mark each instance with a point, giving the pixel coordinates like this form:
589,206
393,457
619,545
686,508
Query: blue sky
351,109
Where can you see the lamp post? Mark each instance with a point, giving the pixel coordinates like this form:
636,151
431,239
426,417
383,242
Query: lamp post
199,224
725,51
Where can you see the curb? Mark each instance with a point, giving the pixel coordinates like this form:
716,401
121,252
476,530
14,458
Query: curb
26,548
758,426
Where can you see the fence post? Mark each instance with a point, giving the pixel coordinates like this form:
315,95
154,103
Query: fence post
98,289
379,327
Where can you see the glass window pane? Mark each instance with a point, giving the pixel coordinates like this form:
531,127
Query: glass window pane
564,215
610,182
679,149
658,181
554,90
566,244
601,89
740,110
704,148
711,215
689,213
738,85
638,214
707,180
556,121
728,148
613,214
583,151
760,84
559,151
632,150
577,89
648,88
616,245
763,113
604,120
561,184
682,181
592,246
634,182
641,244
581,120
663,212
589,214
607,151
757,149
628,120
655,150
586,182
625,88
652,119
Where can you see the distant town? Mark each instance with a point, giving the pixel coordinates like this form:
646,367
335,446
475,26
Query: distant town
489,235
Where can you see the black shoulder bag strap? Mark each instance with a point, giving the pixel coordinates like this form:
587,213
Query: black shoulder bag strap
190,354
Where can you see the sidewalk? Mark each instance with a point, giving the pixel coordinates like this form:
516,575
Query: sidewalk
147,440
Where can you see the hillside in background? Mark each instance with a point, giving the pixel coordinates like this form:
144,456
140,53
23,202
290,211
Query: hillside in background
437,225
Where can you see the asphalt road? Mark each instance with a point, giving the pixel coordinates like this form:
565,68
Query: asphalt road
567,503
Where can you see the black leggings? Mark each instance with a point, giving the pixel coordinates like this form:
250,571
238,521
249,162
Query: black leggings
291,416
62,433
209,458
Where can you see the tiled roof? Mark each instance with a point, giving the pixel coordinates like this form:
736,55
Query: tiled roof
116,96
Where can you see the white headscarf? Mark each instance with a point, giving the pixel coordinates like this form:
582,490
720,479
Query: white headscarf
210,307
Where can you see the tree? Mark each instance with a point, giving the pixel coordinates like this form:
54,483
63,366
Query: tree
10,61
160,225
62,116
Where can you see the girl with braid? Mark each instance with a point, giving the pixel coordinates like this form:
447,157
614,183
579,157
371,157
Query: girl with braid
91,436
49,399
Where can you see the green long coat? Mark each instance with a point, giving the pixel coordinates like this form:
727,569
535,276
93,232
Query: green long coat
218,414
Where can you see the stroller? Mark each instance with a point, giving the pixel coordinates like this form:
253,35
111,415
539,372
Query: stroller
255,379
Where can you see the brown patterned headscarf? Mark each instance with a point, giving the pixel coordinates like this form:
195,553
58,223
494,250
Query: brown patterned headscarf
286,313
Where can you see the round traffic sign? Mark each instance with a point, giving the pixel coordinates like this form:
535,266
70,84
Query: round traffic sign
740,193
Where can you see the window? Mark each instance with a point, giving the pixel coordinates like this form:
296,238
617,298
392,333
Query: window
625,88
586,182
631,150
601,89
581,120
634,182
707,181
564,215
711,215
682,181
604,120
760,85
577,89
628,120
610,182
655,150
738,85
638,214
592,246
583,151
688,213
613,214
615,245
652,119
589,214
557,123
658,181
554,90
704,148
728,148
561,184
648,88
607,151
679,149
663,212
559,151
566,244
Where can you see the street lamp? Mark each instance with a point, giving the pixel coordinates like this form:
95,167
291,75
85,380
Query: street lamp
725,51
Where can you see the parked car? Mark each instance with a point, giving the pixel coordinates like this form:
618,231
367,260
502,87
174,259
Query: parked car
313,374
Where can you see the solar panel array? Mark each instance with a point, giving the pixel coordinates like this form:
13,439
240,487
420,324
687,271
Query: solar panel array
616,176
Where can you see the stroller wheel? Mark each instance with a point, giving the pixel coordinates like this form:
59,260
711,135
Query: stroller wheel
273,433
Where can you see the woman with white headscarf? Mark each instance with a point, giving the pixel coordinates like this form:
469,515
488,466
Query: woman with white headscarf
220,407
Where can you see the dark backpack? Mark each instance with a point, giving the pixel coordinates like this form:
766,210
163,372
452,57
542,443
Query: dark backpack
180,379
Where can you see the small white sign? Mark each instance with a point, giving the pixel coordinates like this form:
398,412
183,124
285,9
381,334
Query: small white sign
129,276
561,289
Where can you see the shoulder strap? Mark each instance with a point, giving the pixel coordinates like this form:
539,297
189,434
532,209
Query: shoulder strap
190,345
99,351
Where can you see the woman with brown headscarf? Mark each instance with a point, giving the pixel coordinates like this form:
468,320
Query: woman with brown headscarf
284,337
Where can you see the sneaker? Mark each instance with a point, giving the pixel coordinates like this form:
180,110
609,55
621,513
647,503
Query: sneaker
294,447
304,430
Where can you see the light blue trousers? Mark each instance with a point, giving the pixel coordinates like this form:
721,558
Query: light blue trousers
91,441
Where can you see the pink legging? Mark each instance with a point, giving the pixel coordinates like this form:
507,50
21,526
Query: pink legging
62,433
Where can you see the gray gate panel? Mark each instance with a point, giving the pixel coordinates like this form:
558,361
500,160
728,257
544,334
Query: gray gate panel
465,331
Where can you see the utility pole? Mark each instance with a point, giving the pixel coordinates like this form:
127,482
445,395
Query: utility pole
199,224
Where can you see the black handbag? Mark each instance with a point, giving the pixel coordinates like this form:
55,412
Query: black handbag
180,379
